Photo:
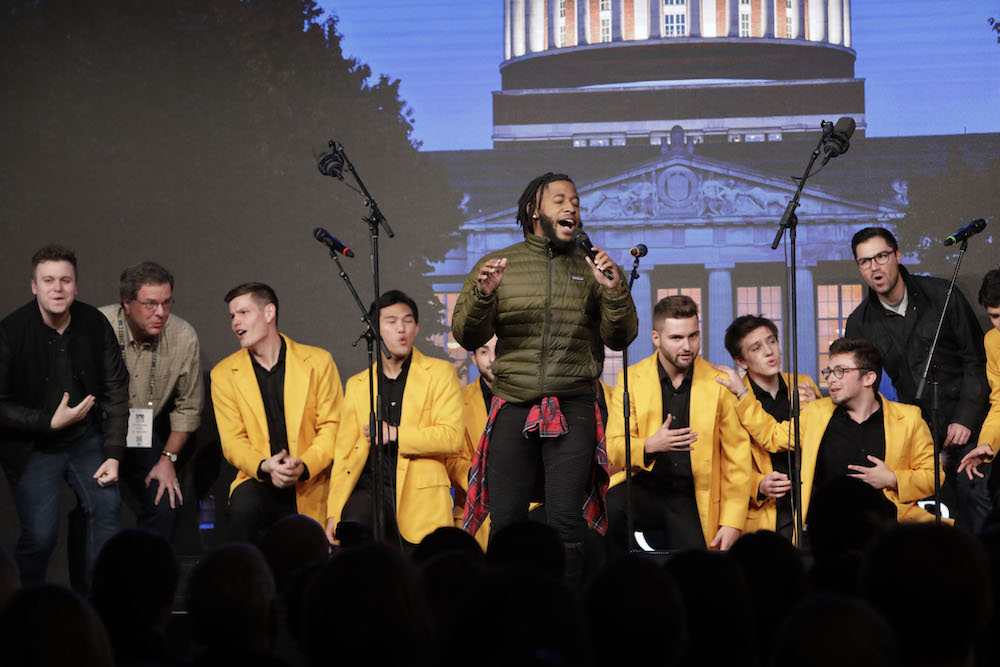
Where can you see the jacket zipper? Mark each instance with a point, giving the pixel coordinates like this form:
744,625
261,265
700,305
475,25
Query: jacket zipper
548,319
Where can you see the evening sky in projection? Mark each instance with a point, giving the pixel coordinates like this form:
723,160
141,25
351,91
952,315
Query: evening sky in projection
931,67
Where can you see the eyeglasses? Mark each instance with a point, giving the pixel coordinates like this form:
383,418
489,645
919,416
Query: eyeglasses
880,258
150,306
839,371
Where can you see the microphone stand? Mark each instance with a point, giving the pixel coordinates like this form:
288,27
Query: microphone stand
627,410
369,336
790,222
929,372
374,219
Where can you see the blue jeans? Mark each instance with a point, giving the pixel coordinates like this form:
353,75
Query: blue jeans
36,496
972,497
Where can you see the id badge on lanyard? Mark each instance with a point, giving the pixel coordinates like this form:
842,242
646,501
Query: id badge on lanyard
140,428
140,420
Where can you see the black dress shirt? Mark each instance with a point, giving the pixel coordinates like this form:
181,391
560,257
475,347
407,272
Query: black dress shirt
847,442
63,380
673,469
392,412
487,393
272,391
779,408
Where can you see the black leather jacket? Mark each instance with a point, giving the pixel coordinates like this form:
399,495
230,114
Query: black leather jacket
24,374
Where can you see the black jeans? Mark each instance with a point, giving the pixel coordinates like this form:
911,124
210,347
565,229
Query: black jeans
676,516
512,468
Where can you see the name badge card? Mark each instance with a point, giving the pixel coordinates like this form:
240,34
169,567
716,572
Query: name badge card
140,428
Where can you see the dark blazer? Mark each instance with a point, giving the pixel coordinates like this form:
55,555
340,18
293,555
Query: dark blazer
961,358
25,372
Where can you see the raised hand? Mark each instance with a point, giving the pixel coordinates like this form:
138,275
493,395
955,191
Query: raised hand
599,264
490,276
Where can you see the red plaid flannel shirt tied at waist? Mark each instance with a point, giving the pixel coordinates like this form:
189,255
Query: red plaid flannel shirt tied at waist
547,418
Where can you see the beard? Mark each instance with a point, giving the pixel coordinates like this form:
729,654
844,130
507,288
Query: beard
548,226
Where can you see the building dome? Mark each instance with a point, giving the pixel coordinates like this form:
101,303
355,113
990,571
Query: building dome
623,72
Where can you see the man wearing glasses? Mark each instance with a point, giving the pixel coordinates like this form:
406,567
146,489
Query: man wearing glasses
854,432
899,317
161,353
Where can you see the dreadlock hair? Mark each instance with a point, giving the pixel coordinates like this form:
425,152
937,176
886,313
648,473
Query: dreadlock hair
529,198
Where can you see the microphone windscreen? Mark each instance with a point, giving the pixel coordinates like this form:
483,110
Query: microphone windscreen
845,126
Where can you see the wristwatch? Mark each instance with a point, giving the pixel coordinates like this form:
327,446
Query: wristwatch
172,457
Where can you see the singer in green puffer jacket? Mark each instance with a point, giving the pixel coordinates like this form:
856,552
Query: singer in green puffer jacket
552,305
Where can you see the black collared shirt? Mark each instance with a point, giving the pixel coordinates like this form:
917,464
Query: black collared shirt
487,393
673,469
272,391
63,380
847,442
778,407
392,412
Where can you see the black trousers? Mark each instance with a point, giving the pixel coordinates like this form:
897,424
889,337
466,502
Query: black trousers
512,467
653,509
254,507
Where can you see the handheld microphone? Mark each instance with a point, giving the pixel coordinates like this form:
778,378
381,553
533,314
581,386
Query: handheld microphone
581,239
838,140
331,162
970,229
639,251
331,242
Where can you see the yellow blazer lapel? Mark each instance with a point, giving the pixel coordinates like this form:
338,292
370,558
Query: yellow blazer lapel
415,393
815,418
245,382
476,411
296,388
702,418
647,396
893,421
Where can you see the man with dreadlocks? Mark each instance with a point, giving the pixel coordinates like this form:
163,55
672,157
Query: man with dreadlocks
551,308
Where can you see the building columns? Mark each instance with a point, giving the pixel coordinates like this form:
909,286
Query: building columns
694,23
734,18
720,315
767,17
506,30
536,25
553,20
642,296
517,28
806,324
847,23
582,18
655,18
800,19
835,21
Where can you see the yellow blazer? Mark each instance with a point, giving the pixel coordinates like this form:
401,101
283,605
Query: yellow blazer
763,514
990,433
313,397
720,459
909,449
430,429
475,415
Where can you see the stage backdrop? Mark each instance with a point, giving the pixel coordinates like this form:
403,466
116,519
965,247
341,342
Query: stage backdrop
187,132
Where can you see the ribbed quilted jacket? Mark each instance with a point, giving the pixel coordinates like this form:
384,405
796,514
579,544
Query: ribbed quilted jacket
550,316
